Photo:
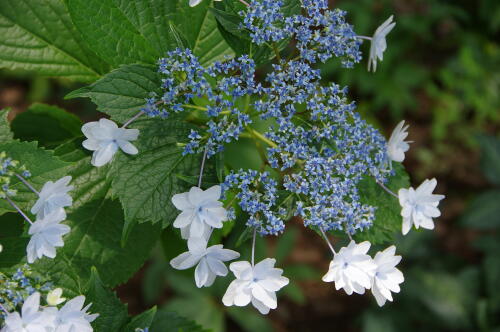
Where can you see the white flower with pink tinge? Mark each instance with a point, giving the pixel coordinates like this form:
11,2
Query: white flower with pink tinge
419,206
201,210
255,284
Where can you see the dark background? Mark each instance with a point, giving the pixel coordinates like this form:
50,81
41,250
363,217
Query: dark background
441,73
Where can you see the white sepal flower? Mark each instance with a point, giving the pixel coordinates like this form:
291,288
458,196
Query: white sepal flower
54,297
351,268
210,261
397,146
31,318
53,196
387,277
104,137
379,44
46,235
419,206
193,3
256,284
200,211
74,317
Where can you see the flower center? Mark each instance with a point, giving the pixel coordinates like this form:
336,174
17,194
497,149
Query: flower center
345,265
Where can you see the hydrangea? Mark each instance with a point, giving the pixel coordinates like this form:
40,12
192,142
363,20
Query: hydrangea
31,319
209,261
105,139
379,44
352,268
255,284
387,277
419,206
201,210
46,234
53,196
397,146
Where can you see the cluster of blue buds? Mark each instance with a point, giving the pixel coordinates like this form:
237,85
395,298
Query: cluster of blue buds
257,195
16,287
222,83
316,140
8,169
320,34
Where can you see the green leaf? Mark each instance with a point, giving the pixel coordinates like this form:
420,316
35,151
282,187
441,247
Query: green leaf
483,212
112,312
42,164
49,125
38,35
125,32
388,214
490,157
250,320
141,321
166,321
12,240
146,183
122,92
5,133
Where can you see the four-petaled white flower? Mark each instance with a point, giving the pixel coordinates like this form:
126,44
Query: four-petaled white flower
54,297
256,284
54,195
200,211
419,206
105,138
397,146
351,268
31,318
193,3
210,261
387,277
74,317
378,43
46,234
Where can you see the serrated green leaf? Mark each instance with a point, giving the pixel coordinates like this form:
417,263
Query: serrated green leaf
166,321
49,125
5,133
146,183
388,214
122,92
112,312
12,240
490,157
141,321
42,164
483,212
138,31
38,35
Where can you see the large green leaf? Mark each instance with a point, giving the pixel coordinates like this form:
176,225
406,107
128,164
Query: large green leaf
141,321
388,214
490,157
166,321
42,164
145,183
49,125
5,133
39,35
122,92
14,244
132,31
483,212
112,312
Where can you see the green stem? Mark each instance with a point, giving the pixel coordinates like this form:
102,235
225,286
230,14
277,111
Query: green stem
261,137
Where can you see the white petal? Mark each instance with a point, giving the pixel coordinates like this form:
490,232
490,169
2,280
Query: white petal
201,273
127,147
104,155
184,261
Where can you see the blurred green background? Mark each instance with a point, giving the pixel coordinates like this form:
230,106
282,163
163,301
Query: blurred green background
441,73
